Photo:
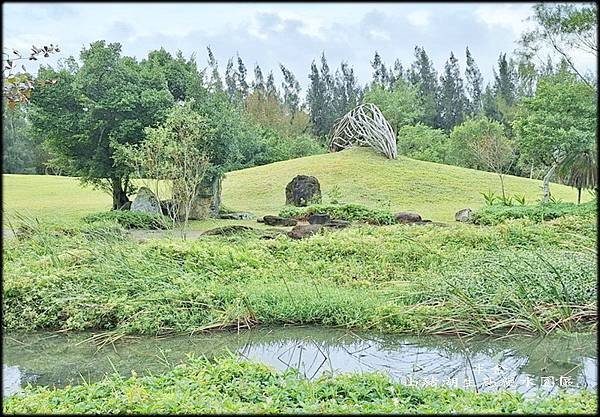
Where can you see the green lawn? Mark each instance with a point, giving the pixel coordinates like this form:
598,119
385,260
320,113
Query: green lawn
436,191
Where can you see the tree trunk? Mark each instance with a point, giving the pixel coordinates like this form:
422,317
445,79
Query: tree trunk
579,195
546,185
119,195
502,185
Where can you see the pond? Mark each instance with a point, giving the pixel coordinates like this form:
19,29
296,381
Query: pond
519,363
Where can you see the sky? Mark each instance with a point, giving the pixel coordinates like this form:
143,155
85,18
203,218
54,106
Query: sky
269,34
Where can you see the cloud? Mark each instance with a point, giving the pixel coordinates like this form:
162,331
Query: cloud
419,18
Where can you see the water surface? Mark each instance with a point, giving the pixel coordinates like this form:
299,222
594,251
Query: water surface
521,363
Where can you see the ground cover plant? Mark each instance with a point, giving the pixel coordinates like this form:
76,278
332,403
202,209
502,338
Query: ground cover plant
416,279
228,385
350,212
498,213
129,219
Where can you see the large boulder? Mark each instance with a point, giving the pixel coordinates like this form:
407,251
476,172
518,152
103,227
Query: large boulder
318,218
302,231
278,221
146,202
465,215
405,217
302,191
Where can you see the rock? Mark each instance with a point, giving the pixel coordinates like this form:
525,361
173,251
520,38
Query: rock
279,221
318,218
302,191
260,220
300,232
464,215
228,230
237,216
406,217
337,224
146,202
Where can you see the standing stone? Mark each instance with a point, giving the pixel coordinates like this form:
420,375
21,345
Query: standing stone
146,202
464,215
302,191
405,217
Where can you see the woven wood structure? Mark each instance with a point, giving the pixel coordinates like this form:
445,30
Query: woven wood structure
364,126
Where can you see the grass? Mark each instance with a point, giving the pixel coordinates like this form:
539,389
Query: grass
412,279
497,213
228,385
433,190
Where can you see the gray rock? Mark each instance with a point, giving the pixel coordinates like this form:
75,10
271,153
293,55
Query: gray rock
302,231
337,224
318,218
464,215
279,221
146,202
405,217
272,233
302,191
237,216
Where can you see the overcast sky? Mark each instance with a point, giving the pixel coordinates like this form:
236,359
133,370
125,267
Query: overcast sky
271,33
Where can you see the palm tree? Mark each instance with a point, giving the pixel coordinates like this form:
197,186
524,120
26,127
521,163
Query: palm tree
579,170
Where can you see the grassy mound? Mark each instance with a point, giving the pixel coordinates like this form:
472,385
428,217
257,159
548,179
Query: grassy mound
435,191
227,385
537,277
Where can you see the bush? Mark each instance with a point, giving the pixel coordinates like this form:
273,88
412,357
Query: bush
495,214
350,212
422,142
129,219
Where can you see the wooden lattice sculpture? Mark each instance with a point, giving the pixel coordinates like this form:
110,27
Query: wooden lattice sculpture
364,126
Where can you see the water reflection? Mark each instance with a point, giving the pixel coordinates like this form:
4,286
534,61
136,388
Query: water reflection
521,363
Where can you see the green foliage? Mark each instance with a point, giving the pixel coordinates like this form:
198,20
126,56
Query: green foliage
225,385
400,106
423,142
499,213
475,134
350,212
452,100
369,277
129,219
558,120
109,100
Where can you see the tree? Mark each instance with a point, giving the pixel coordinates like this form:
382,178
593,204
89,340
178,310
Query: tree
107,101
258,85
422,142
20,153
564,28
380,74
400,106
424,77
214,83
474,85
397,73
579,169
240,80
492,150
176,152
320,98
230,82
452,96
291,92
270,87
558,121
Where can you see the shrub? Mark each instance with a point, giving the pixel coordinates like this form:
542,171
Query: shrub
350,212
495,214
129,219
422,142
